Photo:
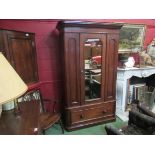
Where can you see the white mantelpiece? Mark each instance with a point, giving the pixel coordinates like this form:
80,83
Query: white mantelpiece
122,84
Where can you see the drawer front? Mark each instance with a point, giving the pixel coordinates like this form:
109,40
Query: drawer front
78,116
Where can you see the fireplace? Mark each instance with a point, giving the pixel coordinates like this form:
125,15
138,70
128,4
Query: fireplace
124,77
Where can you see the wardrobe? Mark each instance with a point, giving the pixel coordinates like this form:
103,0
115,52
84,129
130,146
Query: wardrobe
89,64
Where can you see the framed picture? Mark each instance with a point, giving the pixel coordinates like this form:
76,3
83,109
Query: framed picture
131,38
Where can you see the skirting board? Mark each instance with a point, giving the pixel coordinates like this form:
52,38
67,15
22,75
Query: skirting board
123,116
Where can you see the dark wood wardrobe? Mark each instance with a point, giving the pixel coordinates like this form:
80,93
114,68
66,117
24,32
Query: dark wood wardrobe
89,53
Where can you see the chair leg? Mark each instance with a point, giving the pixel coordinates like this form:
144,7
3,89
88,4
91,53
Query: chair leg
60,122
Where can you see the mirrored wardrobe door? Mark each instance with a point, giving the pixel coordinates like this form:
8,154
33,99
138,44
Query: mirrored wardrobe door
92,55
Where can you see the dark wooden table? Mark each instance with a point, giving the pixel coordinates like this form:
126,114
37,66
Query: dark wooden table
24,123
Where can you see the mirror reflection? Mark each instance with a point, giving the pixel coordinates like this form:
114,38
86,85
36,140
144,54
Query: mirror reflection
92,68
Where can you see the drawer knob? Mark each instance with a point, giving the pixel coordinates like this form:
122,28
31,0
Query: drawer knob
104,111
82,116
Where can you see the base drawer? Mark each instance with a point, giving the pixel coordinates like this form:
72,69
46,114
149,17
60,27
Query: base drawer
88,114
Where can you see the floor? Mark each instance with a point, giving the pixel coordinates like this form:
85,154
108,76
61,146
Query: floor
95,130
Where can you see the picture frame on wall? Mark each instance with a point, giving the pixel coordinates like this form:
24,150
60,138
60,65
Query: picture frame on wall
131,38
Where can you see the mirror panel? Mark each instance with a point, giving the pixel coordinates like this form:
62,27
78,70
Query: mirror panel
92,68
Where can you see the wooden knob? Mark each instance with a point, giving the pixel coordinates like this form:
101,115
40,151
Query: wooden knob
104,111
82,116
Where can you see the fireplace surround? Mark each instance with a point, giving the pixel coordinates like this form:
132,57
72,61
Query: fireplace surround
123,76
